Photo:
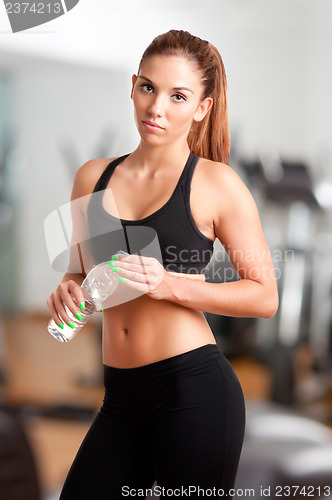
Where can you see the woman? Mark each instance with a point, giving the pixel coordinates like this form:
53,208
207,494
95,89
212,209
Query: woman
173,410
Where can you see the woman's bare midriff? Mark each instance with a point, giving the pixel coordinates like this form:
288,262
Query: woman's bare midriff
145,330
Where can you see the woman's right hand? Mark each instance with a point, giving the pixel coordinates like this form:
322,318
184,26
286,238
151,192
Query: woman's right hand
64,295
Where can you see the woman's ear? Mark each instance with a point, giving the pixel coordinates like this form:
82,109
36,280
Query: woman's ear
133,81
203,109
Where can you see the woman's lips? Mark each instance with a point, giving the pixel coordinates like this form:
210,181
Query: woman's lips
152,126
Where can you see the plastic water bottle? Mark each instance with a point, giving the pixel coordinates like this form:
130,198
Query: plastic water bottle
98,285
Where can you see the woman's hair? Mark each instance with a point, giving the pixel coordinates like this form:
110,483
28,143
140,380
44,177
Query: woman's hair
210,137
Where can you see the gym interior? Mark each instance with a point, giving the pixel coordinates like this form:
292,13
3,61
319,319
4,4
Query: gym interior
64,99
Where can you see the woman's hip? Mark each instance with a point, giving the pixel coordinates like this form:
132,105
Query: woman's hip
198,378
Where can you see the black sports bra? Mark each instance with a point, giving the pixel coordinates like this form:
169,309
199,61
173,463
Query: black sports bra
170,232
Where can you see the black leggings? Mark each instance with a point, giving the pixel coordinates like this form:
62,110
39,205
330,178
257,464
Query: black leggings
179,421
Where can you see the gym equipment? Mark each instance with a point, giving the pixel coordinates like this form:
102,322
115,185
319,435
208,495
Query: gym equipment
297,217
283,451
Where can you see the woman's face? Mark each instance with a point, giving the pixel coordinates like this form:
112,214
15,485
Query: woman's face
167,98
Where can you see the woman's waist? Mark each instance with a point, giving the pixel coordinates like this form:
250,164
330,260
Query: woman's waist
157,330
144,314
190,361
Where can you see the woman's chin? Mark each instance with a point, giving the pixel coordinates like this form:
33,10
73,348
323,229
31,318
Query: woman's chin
152,140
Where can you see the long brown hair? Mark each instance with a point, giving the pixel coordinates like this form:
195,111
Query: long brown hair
209,138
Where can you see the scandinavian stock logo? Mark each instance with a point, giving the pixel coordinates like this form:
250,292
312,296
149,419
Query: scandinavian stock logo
24,15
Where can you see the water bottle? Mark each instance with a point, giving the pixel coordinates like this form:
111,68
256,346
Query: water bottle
97,286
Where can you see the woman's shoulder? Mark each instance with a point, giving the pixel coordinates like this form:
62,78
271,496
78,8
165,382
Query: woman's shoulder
223,185
217,175
88,174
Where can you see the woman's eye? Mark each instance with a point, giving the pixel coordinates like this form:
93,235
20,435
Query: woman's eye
179,97
146,87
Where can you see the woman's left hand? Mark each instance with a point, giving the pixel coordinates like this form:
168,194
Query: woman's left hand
145,274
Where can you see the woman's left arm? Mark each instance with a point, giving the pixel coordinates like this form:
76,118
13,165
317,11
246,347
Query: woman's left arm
237,225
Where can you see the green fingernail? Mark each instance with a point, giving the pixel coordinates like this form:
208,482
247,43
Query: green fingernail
102,309
61,325
122,279
116,269
114,257
82,306
111,263
79,316
71,324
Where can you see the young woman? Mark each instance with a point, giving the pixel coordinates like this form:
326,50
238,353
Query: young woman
174,409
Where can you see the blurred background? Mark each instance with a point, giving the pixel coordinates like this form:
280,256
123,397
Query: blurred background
65,99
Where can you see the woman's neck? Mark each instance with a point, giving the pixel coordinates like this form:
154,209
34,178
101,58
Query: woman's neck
159,157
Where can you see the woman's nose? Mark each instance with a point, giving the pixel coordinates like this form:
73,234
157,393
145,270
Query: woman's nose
157,106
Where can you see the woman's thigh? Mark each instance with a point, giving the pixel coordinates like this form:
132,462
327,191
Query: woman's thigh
198,434
112,458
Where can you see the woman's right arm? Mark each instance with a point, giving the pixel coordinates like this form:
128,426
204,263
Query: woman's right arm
80,261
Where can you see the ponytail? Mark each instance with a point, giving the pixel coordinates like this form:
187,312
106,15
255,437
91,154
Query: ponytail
209,138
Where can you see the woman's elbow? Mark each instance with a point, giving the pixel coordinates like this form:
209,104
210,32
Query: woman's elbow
271,305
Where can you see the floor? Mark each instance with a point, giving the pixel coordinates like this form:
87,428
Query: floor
55,378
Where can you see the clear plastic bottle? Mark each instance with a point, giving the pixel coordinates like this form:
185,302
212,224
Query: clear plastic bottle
98,285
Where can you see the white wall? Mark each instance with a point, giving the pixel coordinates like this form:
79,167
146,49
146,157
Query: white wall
53,105
278,62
